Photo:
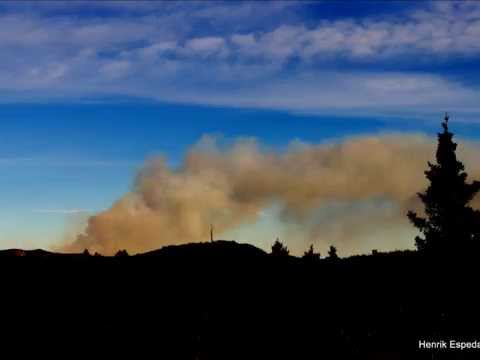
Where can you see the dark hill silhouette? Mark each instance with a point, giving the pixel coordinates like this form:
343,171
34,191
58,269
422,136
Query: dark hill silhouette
225,300
20,252
203,250
216,249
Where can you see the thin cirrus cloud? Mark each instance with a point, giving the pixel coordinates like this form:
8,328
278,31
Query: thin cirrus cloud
217,53
62,211
65,163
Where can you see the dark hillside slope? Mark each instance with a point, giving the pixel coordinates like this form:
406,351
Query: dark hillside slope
232,301
219,250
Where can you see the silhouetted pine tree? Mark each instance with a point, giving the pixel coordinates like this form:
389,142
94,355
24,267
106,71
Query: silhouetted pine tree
450,224
122,253
310,255
278,249
332,253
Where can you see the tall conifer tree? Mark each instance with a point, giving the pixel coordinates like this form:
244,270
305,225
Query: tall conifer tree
450,223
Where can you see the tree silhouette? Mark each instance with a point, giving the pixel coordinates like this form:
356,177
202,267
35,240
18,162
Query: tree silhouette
122,253
278,249
450,224
332,253
310,255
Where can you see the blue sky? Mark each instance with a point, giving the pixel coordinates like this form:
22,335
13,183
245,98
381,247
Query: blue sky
89,90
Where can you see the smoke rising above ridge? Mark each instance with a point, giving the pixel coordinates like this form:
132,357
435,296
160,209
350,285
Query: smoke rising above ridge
353,194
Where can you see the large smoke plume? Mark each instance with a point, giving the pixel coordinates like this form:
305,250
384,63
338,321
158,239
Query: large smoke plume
353,194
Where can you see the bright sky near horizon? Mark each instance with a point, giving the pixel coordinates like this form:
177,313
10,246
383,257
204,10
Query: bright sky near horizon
89,90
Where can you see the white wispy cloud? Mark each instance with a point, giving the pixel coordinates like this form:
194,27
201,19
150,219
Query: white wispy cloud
206,45
246,54
447,29
62,211
59,162
394,94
